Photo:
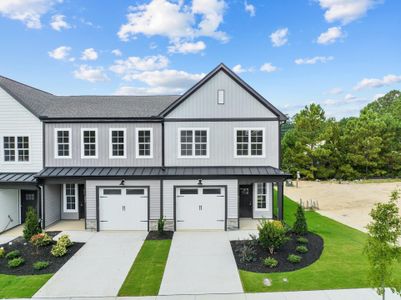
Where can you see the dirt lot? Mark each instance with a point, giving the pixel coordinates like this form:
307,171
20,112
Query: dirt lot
349,203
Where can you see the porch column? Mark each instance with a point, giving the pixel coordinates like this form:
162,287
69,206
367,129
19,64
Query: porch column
280,200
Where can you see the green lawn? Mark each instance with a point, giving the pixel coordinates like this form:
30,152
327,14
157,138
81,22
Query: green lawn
146,273
342,264
21,286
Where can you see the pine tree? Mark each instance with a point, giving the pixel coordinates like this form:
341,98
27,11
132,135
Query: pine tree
300,226
31,226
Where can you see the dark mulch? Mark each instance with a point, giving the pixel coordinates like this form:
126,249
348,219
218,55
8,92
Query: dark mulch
30,255
155,236
315,247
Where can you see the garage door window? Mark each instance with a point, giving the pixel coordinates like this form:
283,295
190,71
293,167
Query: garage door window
188,191
112,192
70,197
211,191
135,192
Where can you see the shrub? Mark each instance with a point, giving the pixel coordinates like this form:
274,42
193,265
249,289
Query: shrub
302,240
15,262
59,250
31,226
41,240
247,253
272,235
300,226
2,252
301,249
65,241
40,265
294,259
13,254
270,262
254,240
160,226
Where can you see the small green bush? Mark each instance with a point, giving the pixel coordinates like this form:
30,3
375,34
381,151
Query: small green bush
2,252
31,225
40,240
302,240
272,235
270,262
247,253
160,226
300,226
40,265
294,259
59,250
64,240
15,262
13,254
301,249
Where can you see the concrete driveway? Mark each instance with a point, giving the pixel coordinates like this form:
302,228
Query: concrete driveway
98,269
200,263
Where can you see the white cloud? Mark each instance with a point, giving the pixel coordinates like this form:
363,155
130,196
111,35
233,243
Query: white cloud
131,90
335,91
27,11
175,20
187,47
279,37
377,96
238,69
91,74
134,64
349,97
313,60
377,82
250,9
268,67
330,36
58,23
60,53
345,11
89,54
117,52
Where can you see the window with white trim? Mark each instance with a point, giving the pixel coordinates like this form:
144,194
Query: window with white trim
261,196
193,143
249,142
70,197
63,143
117,143
89,143
220,96
16,148
144,143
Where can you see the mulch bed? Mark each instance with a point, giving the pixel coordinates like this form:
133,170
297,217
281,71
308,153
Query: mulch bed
315,246
155,236
29,254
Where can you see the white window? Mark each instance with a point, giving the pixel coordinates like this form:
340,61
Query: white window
89,143
144,143
63,143
70,197
249,142
220,96
193,142
118,143
16,148
261,196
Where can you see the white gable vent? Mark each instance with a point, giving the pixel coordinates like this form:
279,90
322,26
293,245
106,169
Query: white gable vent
220,96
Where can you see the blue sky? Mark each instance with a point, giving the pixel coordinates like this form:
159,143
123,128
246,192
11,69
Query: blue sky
339,53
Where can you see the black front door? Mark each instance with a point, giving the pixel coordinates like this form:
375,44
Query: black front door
245,201
81,200
28,199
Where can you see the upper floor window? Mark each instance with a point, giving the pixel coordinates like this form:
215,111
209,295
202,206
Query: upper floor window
193,142
16,148
249,142
63,143
220,96
89,143
118,143
144,143
70,197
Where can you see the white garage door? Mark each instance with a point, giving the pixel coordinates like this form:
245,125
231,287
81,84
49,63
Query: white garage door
123,209
9,209
200,208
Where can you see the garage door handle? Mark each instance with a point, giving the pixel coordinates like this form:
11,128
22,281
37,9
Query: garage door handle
144,196
222,196
144,221
180,221
220,220
103,221
103,197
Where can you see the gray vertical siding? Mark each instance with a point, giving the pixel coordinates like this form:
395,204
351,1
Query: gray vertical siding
238,102
103,159
221,144
52,203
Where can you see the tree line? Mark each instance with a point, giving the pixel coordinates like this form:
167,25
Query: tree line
367,146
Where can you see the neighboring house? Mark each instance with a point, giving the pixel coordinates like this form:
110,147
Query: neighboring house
202,160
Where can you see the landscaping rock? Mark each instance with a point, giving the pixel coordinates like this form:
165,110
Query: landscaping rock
267,282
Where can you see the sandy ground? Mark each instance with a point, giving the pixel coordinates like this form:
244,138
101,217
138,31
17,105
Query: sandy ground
349,203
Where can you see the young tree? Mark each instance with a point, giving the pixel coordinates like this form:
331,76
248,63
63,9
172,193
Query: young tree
31,226
300,226
382,246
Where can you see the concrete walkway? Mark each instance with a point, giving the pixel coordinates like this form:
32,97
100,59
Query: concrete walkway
98,269
200,263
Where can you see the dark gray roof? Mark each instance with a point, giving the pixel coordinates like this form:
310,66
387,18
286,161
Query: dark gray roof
48,106
159,172
17,178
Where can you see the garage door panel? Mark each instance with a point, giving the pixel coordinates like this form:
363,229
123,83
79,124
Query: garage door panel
9,208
